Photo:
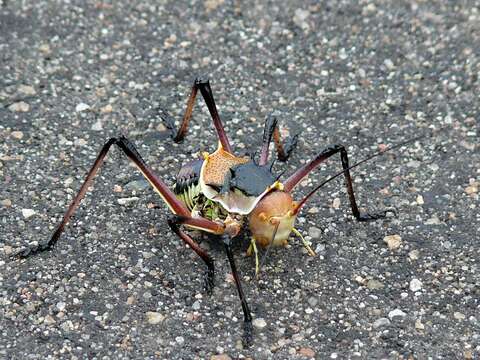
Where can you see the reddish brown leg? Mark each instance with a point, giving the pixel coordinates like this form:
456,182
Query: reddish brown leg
271,130
293,180
206,91
127,147
175,221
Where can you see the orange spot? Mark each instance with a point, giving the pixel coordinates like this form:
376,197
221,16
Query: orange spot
218,165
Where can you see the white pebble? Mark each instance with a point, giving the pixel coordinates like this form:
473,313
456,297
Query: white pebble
28,213
259,323
154,317
125,201
396,312
20,106
81,107
415,285
393,241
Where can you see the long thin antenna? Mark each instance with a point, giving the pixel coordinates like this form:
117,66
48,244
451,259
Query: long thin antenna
379,153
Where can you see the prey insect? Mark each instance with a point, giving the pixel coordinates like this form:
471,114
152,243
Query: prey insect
220,192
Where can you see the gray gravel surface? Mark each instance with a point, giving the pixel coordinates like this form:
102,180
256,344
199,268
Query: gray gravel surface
120,285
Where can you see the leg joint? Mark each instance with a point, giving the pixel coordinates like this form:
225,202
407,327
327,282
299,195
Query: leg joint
201,80
227,239
174,221
335,147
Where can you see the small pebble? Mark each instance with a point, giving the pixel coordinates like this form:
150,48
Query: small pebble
259,323
106,109
472,189
396,312
196,305
6,202
20,106
434,220
415,285
419,325
126,201
393,241
312,301
7,249
414,254
220,357
320,248
212,4
48,320
17,135
306,352
154,317
374,284
161,128
336,203
28,213
314,232
389,64
300,19
381,323
80,142
44,48
26,90
130,300
81,107
313,210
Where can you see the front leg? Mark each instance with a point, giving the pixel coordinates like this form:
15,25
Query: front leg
199,223
294,179
247,316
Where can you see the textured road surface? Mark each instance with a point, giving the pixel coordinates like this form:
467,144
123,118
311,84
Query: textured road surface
119,285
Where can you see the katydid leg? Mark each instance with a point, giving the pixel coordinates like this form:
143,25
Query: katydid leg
175,205
175,221
207,94
294,179
247,316
284,151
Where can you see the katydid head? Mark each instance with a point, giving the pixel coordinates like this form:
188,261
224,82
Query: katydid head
272,219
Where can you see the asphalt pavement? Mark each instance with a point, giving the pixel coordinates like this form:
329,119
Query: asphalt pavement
120,285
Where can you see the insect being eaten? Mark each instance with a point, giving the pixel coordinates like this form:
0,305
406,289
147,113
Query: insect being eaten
219,192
